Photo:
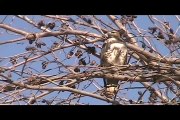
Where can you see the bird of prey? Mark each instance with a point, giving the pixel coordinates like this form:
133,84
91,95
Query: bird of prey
114,52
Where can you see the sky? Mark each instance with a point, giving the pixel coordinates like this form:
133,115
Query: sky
11,49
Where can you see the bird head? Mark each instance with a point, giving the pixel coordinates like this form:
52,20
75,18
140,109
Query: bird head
113,34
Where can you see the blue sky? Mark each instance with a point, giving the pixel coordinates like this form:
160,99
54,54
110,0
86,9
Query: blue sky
12,49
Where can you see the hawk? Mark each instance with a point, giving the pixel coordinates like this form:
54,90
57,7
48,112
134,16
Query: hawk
114,52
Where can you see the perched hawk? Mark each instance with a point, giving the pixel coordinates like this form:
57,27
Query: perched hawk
114,52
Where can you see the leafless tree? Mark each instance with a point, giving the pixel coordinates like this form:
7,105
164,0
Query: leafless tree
55,60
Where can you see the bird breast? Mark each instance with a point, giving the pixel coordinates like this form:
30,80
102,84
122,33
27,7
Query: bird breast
114,54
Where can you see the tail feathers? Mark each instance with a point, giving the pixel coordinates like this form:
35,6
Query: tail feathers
111,91
111,88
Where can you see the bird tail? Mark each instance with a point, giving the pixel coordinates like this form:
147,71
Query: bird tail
111,88
111,91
